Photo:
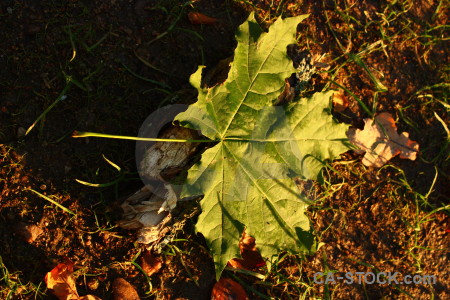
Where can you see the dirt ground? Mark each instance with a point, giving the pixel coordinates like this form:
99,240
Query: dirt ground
124,58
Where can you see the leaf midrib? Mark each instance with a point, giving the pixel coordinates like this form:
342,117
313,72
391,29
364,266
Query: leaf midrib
222,134
274,140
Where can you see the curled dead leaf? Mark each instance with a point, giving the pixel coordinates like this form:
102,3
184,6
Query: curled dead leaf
340,102
60,280
148,209
150,263
226,289
197,18
236,263
381,142
251,258
287,95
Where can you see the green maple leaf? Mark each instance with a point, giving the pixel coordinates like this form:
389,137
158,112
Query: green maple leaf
246,178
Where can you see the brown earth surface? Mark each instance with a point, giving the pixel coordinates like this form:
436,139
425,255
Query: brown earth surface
124,57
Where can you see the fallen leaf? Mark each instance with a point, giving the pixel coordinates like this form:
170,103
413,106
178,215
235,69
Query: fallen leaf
381,142
246,177
198,18
60,280
236,263
123,290
287,95
340,102
147,209
251,258
226,289
93,283
150,263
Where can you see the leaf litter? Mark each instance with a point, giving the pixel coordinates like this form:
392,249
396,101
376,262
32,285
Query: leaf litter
227,288
61,281
260,143
251,258
408,81
150,263
381,142
282,136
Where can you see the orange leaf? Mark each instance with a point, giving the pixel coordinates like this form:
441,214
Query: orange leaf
251,258
226,289
236,263
150,263
340,102
198,18
60,280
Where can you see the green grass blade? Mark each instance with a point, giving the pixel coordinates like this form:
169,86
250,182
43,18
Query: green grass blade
53,202
380,87
98,185
363,106
45,112
111,163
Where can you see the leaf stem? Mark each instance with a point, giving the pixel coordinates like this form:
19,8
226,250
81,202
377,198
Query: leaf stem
79,134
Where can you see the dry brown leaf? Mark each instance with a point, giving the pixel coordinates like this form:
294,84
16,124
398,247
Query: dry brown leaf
60,280
226,289
236,263
340,102
148,209
287,95
198,18
150,263
381,142
251,258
